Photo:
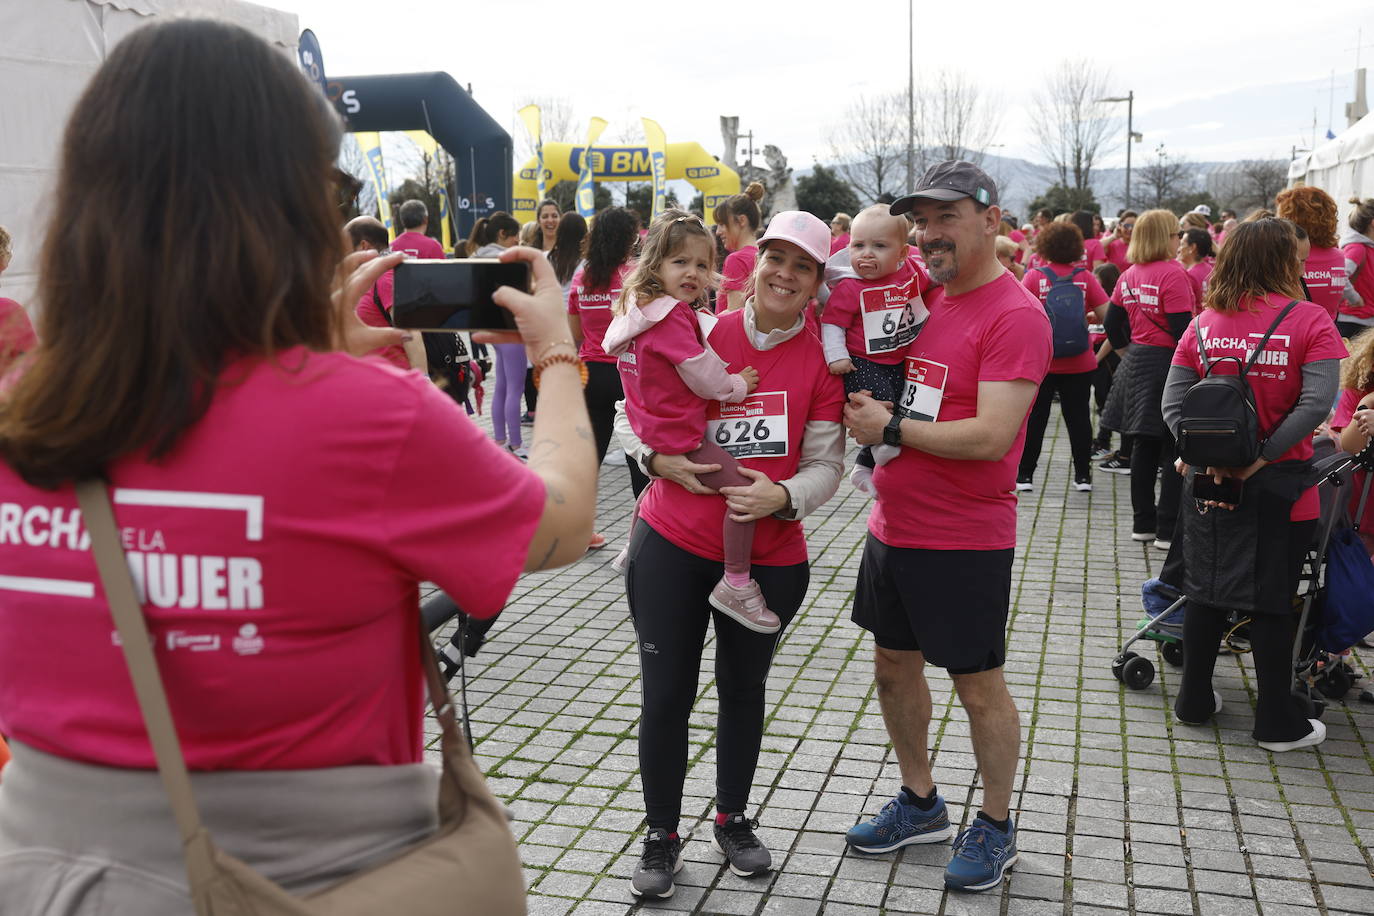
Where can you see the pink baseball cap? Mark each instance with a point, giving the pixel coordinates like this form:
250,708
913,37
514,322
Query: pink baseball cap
802,229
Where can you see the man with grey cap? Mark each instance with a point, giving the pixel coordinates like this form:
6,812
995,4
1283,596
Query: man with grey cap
934,585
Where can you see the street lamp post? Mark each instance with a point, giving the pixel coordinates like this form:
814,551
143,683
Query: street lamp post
910,94
1131,135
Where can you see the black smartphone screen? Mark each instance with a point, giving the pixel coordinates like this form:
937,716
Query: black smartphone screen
455,295
1228,491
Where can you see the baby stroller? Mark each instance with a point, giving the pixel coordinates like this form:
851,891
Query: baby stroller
1320,672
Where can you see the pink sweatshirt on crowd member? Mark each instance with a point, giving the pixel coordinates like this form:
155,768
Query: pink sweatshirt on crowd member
669,373
1359,251
417,245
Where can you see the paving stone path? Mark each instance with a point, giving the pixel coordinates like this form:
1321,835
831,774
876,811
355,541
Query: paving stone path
1120,808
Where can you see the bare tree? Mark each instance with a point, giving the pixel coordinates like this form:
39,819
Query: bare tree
1070,125
870,145
352,161
1166,177
556,124
1260,181
959,120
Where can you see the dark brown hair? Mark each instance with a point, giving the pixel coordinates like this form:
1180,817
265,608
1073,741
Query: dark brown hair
567,245
1060,243
1258,258
194,222
1201,240
745,205
1362,215
608,245
1312,209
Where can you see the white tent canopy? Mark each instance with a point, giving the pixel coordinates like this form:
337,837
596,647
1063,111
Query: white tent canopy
48,51
1343,167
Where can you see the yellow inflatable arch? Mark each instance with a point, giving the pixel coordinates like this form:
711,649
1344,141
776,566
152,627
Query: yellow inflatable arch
563,162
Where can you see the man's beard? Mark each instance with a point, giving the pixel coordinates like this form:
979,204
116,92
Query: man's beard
943,274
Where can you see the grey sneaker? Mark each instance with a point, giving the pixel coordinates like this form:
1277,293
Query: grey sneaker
745,606
660,860
735,840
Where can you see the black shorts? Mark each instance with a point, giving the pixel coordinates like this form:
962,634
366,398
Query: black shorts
950,605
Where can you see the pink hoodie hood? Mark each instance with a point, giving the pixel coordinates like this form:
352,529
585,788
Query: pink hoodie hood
625,328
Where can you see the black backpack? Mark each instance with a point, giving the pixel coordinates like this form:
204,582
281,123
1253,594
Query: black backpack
1219,425
450,366
1064,304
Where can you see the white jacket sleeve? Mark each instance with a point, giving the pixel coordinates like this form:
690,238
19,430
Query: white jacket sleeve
818,471
625,434
832,339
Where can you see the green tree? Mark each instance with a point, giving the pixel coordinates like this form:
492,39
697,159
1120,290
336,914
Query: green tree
411,189
640,197
1059,199
824,193
565,194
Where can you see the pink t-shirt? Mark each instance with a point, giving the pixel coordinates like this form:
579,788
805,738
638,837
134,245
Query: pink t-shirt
1363,281
1305,336
996,333
1093,296
738,268
664,412
1345,411
594,308
1324,274
1115,251
877,321
1092,254
1199,274
839,241
417,245
16,331
1150,291
280,546
1345,407
794,388
372,316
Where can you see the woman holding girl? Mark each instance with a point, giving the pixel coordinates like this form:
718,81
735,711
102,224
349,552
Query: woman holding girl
1246,557
501,232
790,463
1153,302
739,220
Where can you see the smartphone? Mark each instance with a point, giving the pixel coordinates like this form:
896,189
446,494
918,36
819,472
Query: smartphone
1228,491
455,295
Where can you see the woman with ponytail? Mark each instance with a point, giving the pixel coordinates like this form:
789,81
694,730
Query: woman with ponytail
739,220
1356,310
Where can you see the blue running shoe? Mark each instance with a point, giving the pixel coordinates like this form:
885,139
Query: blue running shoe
899,824
982,855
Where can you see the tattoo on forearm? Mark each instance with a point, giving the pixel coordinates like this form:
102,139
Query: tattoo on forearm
555,495
548,555
584,433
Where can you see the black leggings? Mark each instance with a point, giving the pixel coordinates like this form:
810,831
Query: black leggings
667,589
603,390
1074,389
1278,714
1153,456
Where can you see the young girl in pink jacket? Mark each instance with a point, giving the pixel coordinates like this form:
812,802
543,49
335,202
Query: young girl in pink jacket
670,375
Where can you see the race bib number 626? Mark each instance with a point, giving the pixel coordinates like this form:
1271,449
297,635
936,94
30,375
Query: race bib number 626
754,428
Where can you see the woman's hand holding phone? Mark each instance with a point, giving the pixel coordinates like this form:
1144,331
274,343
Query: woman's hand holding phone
540,316
355,275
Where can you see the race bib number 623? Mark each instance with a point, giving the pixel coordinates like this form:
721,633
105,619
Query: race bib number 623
754,428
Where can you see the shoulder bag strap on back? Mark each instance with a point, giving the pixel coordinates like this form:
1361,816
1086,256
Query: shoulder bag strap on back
1201,350
138,653
377,299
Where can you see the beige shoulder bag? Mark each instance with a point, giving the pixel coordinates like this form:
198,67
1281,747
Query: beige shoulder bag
470,866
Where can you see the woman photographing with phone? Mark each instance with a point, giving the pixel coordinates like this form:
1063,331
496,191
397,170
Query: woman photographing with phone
281,502
1247,529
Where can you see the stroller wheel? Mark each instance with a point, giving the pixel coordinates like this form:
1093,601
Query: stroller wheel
1119,665
1173,653
1138,674
1335,682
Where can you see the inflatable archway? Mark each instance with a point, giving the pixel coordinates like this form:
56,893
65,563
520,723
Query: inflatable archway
434,102
563,162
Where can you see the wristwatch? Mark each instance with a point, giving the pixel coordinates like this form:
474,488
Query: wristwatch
892,432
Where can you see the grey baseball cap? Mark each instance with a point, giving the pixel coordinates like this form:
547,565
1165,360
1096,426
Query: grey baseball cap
950,180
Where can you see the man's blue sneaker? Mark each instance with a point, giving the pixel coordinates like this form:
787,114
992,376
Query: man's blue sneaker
982,855
899,824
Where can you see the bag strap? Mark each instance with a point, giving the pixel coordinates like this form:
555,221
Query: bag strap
94,500
1201,350
377,300
138,653
1267,334
1364,498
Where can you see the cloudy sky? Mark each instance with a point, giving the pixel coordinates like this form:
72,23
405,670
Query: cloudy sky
1224,80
